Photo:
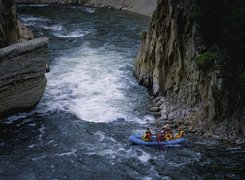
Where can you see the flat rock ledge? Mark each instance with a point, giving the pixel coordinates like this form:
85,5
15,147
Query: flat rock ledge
22,75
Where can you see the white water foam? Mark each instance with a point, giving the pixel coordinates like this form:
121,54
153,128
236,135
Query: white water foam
32,18
90,10
39,158
32,21
145,157
100,135
147,178
72,152
33,5
88,85
150,118
53,27
32,146
42,132
11,119
74,34
108,152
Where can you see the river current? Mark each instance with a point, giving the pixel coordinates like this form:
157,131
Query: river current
92,104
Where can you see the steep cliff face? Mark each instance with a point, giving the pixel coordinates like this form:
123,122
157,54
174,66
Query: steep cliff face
145,7
166,64
9,31
52,1
22,75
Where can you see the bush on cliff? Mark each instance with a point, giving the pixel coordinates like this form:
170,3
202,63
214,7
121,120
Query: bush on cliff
143,35
221,23
206,59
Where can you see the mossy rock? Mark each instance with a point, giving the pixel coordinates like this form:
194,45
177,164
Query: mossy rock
154,15
143,35
206,59
242,79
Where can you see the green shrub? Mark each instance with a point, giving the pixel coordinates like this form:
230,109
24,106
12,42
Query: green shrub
242,79
206,59
154,15
143,35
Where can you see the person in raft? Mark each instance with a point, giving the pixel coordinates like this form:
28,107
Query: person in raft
168,132
147,135
179,135
165,133
161,136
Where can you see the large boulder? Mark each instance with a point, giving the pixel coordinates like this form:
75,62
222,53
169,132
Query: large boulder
22,75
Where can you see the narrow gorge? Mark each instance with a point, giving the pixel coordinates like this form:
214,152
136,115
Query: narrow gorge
116,69
168,64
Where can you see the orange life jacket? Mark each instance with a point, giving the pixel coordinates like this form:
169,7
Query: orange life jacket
147,136
179,135
168,136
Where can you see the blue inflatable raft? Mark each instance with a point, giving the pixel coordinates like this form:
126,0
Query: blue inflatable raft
137,139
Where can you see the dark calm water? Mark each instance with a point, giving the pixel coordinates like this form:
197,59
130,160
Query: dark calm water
92,104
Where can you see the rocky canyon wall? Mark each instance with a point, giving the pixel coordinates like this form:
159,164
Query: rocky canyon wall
166,64
52,1
9,30
145,7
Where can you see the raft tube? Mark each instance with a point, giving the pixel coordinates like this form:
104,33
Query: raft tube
137,139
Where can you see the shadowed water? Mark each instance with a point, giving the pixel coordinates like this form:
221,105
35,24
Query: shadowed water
92,104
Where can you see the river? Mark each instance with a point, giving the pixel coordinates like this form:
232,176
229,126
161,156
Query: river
92,104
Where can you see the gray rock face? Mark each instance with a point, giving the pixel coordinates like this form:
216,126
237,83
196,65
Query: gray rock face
145,7
52,1
9,31
166,64
22,75
25,33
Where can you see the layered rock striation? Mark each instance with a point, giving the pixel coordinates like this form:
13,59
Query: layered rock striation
166,64
22,75
145,7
